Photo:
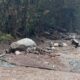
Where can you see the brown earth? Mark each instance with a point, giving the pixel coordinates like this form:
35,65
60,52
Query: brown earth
59,65
21,73
61,59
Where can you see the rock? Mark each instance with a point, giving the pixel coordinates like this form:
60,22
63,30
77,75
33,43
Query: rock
17,52
75,42
50,44
49,49
53,48
22,45
56,44
31,49
26,42
65,45
62,44
19,48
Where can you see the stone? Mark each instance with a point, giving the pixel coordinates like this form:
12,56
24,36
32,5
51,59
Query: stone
56,44
17,52
65,45
22,45
26,42
53,48
75,42
62,44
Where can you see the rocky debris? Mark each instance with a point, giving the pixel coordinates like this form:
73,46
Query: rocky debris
31,49
42,50
46,50
75,42
50,48
60,44
56,44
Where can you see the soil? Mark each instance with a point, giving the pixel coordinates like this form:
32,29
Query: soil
63,60
21,73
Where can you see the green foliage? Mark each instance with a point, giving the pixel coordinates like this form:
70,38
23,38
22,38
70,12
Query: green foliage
27,17
5,37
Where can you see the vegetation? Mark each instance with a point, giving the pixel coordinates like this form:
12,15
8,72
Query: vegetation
22,18
5,37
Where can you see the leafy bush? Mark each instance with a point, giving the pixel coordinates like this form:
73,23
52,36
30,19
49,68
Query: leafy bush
5,37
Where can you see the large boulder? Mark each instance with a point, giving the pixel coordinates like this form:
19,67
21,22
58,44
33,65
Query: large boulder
26,42
22,44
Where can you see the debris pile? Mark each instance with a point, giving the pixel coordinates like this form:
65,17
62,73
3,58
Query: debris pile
26,45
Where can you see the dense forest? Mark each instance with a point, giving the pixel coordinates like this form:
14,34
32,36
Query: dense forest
24,18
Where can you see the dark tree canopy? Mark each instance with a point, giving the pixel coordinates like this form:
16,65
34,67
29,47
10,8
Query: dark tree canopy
30,17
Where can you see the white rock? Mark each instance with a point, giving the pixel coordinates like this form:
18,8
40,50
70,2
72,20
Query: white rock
65,45
17,52
56,44
52,48
14,45
26,42
75,40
